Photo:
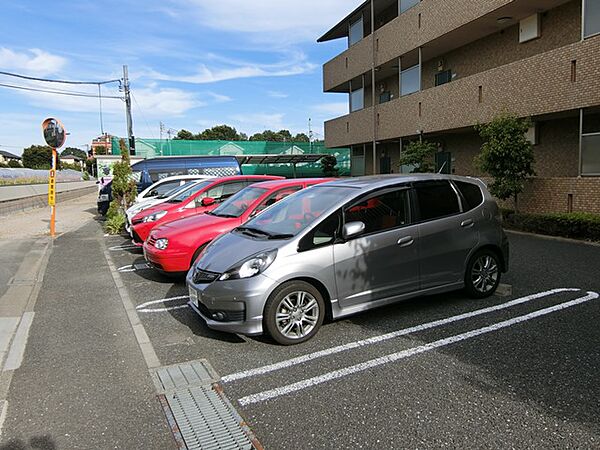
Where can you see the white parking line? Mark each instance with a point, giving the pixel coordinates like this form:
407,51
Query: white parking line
144,306
133,267
121,247
303,384
384,337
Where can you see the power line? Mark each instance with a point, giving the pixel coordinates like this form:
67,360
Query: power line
58,92
46,80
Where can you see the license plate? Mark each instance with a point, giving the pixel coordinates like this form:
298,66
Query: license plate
194,297
103,198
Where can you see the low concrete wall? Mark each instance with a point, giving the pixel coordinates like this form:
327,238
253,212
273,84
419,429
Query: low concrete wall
21,198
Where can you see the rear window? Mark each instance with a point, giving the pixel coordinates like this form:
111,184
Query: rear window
436,199
471,194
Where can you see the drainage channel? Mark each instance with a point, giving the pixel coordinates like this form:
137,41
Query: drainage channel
199,413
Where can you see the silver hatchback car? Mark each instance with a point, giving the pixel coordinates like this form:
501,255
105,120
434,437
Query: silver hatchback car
347,246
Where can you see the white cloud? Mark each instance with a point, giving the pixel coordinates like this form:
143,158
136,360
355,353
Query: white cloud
277,94
219,98
332,109
293,63
258,122
274,21
33,62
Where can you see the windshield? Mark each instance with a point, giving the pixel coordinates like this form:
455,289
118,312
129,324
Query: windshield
297,212
236,206
174,191
189,191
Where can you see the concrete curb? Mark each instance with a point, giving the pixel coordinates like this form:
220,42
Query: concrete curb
553,238
41,201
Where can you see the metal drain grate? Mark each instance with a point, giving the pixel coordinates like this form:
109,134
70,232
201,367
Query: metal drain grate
206,420
179,376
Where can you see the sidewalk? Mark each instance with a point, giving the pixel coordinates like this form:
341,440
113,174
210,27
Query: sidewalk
82,382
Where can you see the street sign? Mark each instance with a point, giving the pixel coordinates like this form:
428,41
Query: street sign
55,135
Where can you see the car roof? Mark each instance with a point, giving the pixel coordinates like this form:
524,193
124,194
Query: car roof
289,182
376,181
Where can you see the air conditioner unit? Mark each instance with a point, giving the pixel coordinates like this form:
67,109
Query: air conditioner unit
529,28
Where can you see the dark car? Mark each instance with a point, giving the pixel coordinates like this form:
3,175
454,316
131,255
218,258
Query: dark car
104,198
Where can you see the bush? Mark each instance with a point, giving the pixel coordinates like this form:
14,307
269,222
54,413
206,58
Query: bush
571,225
85,176
420,155
14,164
115,224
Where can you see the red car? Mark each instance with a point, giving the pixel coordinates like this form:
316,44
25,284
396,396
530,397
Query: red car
174,246
199,198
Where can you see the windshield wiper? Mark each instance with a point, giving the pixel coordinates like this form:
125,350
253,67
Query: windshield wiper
212,213
255,231
281,236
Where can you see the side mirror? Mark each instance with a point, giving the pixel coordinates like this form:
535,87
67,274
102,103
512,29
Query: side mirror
207,201
352,229
153,193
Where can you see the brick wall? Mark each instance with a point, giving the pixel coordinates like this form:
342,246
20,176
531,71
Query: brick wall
560,26
546,195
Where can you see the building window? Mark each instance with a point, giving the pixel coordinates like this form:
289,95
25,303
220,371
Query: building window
357,100
591,19
590,143
407,4
410,80
385,97
356,32
443,77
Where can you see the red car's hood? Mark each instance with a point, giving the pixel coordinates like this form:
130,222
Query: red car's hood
194,224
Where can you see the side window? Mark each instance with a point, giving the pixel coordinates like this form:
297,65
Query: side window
232,188
165,187
471,194
381,212
436,199
275,197
215,192
323,234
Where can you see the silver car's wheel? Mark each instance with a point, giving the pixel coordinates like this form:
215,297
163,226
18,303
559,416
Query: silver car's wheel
294,312
297,315
483,274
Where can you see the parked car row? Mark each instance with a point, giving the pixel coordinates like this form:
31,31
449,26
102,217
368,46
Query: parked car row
281,256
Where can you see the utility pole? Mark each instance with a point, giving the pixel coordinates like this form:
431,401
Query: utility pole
130,137
310,135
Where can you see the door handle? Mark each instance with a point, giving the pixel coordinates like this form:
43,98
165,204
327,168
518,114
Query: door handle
406,241
467,223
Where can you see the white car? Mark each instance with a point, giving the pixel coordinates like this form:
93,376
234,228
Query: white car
181,185
164,185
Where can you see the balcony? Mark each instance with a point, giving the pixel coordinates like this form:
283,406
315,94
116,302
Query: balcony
544,86
437,27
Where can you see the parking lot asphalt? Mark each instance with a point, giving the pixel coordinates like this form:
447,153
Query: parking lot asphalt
439,371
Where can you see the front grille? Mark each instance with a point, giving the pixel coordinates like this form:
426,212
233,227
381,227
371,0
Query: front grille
151,241
204,277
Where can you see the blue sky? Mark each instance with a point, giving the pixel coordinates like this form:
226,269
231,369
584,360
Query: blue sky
192,63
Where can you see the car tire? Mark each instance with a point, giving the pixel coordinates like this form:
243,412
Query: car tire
483,274
294,299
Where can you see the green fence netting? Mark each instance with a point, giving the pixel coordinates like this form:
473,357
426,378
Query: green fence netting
154,148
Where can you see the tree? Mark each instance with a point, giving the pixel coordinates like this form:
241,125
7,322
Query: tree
13,163
90,166
37,157
74,152
328,164
220,133
301,137
100,150
184,135
506,155
273,136
420,155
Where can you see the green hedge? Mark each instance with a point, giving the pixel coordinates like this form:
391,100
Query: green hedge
571,225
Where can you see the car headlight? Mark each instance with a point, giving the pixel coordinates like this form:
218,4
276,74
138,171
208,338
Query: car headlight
154,217
251,266
161,244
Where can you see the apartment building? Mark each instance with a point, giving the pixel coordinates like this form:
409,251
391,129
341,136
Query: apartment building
432,69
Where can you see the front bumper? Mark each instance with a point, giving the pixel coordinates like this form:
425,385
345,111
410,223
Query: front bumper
141,231
229,298
167,261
